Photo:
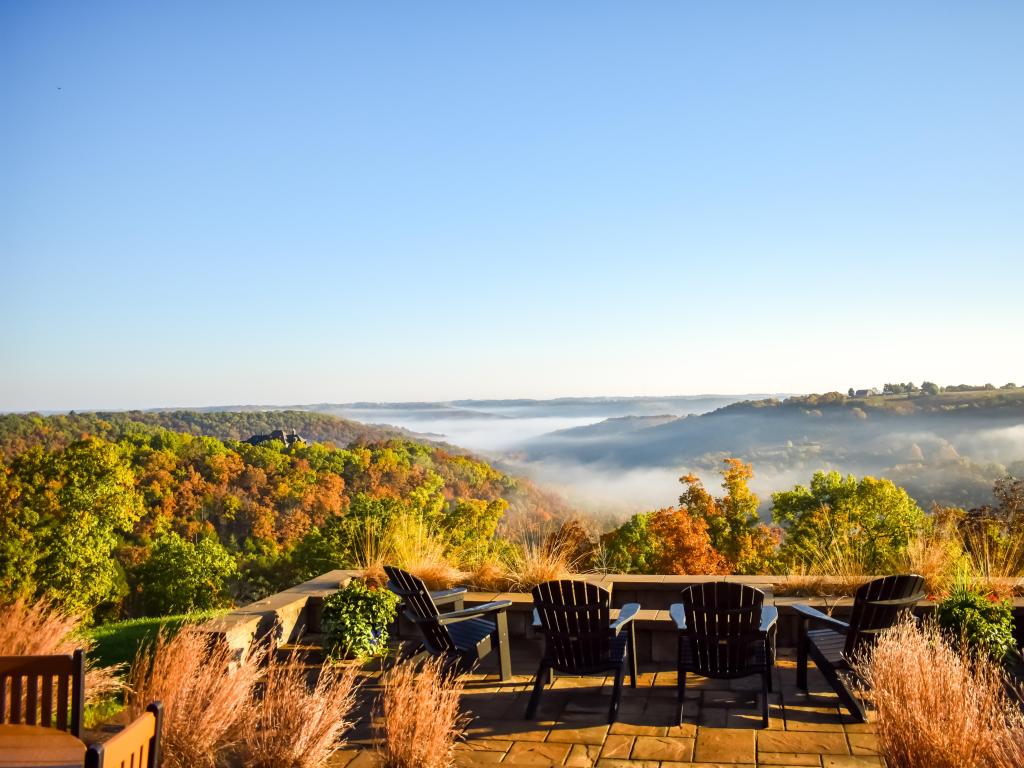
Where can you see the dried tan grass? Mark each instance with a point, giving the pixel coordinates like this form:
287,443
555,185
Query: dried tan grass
994,555
422,552
938,708
490,576
372,549
374,575
293,724
532,563
836,569
40,629
420,719
936,555
811,585
203,690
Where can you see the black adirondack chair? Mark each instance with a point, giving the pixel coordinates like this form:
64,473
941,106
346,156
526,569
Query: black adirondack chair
580,638
28,685
725,632
877,605
464,635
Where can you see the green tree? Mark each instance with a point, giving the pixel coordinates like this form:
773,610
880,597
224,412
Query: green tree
182,576
872,517
78,501
630,548
469,526
19,550
929,388
325,549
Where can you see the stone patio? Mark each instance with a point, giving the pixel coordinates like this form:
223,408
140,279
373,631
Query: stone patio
722,726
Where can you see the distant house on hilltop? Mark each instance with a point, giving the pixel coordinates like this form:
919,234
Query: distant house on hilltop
866,392
277,434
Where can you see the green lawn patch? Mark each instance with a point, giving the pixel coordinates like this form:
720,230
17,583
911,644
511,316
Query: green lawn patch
117,642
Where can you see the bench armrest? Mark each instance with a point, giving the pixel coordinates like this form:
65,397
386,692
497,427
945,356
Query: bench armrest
474,612
627,613
806,613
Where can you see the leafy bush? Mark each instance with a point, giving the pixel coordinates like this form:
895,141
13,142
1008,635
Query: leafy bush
983,622
355,619
181,576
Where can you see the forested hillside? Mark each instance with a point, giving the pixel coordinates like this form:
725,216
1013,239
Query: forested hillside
19,432
114,514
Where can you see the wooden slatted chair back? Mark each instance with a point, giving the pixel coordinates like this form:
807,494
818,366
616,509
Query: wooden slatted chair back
43,690
878,604
417,600
575,620
137,746
723,621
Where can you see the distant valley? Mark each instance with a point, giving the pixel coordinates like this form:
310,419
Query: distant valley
617,455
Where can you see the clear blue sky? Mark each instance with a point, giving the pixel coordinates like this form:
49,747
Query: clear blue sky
237,202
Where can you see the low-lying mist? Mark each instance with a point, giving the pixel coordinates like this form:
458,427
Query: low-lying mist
614,457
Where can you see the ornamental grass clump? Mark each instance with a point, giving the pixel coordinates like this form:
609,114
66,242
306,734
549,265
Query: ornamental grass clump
40,629
419,720
532,564
937,706
356,618
204,691
292,723
422,551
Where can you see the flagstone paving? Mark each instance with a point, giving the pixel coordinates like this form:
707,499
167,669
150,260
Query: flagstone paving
721,727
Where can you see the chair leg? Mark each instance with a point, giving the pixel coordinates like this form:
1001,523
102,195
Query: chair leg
801,656
538,687
632,655
613,712
847,698
681,693
503,647
765,688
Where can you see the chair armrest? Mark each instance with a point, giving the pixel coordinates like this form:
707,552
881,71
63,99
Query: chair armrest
536,620
812,614
446,596
769,617
627,613
678,615
474,612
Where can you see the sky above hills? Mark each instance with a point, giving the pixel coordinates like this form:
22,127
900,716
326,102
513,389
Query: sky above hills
278,203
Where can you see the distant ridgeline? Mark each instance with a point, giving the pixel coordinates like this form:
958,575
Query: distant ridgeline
129,513
947,447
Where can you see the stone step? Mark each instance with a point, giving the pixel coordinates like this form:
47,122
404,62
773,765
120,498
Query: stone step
309,648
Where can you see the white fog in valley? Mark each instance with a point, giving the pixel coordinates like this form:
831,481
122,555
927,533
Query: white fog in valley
614,456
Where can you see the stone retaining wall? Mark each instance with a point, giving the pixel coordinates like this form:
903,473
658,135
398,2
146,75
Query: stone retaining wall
296,611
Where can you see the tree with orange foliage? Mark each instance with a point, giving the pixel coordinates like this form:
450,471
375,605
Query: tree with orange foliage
733,524
685,546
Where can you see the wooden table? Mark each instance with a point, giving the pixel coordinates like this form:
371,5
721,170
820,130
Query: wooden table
29,746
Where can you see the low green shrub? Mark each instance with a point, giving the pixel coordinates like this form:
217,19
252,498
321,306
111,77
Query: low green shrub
979,619
356,618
